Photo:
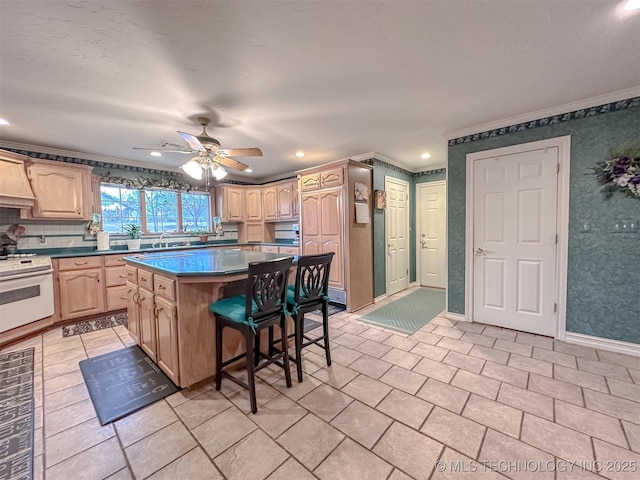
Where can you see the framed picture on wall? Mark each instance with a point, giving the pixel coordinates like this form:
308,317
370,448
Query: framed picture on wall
380,199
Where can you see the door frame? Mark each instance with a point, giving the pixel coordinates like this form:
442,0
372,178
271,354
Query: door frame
562,221
386,235
419,188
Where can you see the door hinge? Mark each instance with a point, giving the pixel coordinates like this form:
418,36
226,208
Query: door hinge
555,307
556,238
558,169
407,271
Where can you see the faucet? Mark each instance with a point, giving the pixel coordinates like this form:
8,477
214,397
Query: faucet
166,244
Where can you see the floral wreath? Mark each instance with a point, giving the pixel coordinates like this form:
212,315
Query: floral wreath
620,173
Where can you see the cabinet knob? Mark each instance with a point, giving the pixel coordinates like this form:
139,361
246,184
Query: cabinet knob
78,210
122,276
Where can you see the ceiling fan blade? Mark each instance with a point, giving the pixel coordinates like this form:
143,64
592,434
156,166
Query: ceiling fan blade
188,152
231,163
240,152
192,141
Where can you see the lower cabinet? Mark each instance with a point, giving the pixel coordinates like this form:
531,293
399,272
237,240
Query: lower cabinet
81,293
147,338
153,321
167,337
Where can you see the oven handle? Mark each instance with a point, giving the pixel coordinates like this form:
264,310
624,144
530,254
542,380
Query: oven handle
25,275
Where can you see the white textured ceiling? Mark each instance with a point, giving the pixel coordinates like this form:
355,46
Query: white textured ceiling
332,78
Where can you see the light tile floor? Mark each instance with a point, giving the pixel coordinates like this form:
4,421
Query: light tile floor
454,400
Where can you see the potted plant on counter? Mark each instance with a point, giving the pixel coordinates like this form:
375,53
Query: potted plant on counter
133,231
203,233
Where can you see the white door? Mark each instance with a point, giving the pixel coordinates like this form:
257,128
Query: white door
514,240
397,234
432,234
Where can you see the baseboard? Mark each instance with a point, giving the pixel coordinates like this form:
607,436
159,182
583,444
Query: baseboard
458,317
617,346
381,297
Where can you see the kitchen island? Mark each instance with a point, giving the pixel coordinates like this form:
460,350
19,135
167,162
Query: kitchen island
168,307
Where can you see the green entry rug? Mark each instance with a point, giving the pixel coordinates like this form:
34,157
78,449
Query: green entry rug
409,313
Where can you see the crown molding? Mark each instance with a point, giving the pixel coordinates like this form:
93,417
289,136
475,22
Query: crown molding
546,112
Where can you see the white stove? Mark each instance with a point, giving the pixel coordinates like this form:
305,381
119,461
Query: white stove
26,290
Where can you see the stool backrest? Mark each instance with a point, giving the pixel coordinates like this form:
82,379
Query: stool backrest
312,278
266,291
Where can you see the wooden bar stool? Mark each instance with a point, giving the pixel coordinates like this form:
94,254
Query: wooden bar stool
262,306
308,294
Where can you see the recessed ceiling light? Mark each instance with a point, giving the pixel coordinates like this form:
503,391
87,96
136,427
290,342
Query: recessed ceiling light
3,122
632,5
299,154
155,154
248,170
425,155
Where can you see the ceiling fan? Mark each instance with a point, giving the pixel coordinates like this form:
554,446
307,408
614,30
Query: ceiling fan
210,157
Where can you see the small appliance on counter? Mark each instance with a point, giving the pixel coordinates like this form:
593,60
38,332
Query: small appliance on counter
296,230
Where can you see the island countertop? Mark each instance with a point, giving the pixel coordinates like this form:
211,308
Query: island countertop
201,263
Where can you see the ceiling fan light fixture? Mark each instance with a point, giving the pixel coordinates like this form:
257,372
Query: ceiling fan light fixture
193,169
632,5
218,172
155,154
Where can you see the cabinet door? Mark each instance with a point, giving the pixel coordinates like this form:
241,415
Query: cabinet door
296,202
310,215
116,298
269,248
336,272
114,276
312,246
133,312
331,178
234,204
147,323
81,293
310,182
59,192
285,201
270,203
253,205
331,213
167,334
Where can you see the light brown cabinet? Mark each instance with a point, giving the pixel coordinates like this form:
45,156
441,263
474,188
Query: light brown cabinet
133,311
81,293
230,203
147,338
167,337
269,248
328,224
62,190
270,201
296,201
289,250
253,205
285,201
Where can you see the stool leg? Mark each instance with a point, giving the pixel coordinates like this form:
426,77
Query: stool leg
271,350
218,354
298,320
325,332
249,339
285,349
256,350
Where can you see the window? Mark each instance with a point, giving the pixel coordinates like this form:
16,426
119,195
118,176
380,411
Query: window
156,210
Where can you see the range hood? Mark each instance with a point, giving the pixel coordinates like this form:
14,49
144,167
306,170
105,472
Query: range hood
15,191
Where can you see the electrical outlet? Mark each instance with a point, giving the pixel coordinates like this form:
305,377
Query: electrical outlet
43,239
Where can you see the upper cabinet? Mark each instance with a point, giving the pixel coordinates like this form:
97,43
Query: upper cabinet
270,199
230,203
285,201
253,205
62,190
332,177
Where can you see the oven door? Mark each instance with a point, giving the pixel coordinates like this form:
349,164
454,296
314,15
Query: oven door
25,298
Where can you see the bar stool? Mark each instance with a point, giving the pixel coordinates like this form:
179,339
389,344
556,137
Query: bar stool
262,306
308,294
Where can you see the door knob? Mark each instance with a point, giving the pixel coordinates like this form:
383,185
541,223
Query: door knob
481,251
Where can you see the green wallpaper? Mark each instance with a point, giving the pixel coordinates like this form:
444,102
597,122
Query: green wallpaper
604,267
380,170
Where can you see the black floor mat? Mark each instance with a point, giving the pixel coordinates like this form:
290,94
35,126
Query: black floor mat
123,382
16,415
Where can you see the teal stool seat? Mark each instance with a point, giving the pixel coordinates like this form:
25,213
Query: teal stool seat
233,308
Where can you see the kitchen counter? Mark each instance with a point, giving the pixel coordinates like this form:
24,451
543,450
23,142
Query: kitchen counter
170,294
201,263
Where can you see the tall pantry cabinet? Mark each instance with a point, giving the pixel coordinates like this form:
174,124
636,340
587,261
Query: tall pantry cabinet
328,224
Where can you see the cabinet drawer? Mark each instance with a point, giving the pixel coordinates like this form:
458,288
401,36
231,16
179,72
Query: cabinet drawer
290,250
145,279
269,248
79,263
310,182
331,178
116,298
114,260
132,274
114,276
164,286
